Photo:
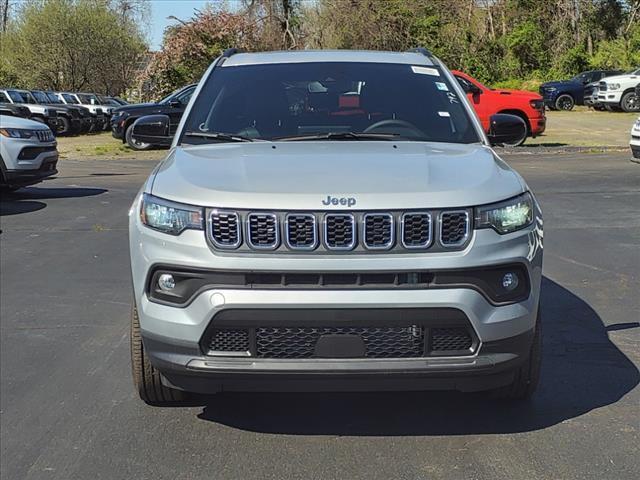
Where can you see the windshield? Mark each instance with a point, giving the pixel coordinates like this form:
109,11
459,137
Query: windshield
4,98
40,96
19,97
52,98
285,101
85,98
69,98
107,101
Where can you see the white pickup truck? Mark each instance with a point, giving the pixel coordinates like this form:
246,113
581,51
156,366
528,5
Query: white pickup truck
618,92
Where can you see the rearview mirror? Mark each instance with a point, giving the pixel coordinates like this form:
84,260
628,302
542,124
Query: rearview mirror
505,128
175,103
152,129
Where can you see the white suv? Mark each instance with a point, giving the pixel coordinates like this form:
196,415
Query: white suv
333,220
619,92
28,152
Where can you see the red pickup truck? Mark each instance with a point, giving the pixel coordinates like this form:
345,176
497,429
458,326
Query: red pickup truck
486,101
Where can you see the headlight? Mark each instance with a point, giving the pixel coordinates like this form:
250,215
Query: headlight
170,217
613,86
508,216
17,132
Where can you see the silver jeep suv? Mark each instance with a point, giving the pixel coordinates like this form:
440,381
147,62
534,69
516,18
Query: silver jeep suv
333,220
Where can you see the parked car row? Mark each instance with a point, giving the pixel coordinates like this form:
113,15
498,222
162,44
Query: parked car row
611,90
66,113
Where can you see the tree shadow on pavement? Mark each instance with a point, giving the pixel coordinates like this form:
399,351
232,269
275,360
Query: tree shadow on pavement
26,200
582,370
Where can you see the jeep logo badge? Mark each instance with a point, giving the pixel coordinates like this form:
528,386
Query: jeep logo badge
344,201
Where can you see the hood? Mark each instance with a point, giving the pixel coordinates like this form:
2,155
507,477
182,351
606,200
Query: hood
625,77
519,93
559,83
135,106
18,122
300,175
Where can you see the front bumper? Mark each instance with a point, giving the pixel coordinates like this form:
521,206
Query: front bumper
31,176
173,336
609,97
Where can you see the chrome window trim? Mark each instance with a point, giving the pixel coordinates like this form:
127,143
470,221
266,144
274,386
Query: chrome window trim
402,230
354,229
466,235
315,231
389,244
250,243
224,246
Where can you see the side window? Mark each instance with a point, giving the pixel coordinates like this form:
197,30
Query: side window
464,83
185,96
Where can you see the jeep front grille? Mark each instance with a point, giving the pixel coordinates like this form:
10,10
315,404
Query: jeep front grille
263,230
378,231
44,135
416,230
301,231
454,228
451,340
339,231
224,229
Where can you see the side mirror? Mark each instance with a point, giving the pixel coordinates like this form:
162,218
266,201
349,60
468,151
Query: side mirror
505,128
152,129
175,103
474,89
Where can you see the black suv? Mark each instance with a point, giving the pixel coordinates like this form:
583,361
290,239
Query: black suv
173,106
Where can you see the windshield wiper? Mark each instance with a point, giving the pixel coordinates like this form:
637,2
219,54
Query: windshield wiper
342,136
223,137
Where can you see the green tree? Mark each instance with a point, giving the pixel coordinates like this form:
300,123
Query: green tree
72,45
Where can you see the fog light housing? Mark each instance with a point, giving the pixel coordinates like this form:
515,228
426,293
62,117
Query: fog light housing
166,282
510,281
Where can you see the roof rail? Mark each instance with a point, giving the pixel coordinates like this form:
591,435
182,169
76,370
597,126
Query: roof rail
230,51
422,51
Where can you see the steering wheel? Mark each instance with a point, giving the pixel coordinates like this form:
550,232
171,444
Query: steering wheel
393,123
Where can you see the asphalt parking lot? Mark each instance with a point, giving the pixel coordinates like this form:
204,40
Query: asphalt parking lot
68,409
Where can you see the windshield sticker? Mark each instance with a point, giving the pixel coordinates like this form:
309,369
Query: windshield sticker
453,98
444,114
425,71
442,86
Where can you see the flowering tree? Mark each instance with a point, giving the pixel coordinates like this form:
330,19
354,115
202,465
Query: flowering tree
189,48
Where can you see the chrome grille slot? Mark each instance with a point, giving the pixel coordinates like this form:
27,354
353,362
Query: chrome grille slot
301,231
224,229
416,230
454,228
339,231
378,231
262,231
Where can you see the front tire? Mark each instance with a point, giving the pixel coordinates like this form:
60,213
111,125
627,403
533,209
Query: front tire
565,102
146,378
133,143
630,102
527,376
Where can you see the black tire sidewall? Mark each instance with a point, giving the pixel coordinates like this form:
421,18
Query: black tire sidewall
129,138
564,95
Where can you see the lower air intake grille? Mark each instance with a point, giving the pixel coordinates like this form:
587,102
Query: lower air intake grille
230,340
263,230
380,342
339,231
450,339
225,232
378,230
454,228
301,231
